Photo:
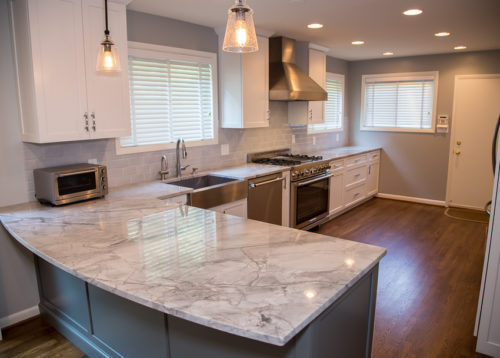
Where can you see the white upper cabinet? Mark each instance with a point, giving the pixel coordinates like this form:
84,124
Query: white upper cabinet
61,97
310,112
244,87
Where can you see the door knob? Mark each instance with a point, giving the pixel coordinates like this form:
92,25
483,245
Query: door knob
459,142
457,152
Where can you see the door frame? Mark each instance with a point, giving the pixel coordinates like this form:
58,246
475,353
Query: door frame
451,153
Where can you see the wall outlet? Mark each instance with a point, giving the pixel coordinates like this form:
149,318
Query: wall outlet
224,149
337,137
293,138
314,140
92,161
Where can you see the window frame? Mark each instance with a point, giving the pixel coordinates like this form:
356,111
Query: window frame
400,77
175,53
334,76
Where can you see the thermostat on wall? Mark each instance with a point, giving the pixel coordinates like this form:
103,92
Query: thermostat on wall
442,123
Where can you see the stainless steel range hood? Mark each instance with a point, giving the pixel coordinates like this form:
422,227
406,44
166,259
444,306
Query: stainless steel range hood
287,82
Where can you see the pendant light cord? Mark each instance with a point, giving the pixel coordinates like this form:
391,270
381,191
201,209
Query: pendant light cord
106,32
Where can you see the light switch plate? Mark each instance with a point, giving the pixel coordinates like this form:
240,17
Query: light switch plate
293,138
314,140
92,161
337,137
224,149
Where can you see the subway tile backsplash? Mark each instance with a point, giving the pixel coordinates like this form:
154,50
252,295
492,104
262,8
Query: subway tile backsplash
139,167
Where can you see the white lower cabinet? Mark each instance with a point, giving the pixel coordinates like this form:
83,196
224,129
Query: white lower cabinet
353,180
285,197
372,178
336,192
236,208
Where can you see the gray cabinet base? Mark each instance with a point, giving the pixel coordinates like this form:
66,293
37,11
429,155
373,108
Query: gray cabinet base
102,324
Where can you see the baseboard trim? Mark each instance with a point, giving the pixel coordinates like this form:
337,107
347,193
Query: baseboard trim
19,316
412,199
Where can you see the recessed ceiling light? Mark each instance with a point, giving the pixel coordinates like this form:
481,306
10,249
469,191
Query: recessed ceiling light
461,47
388,53
442,34
358,42
315,25
412,12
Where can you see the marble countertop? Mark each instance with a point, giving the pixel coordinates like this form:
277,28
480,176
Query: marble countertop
343,152
244,277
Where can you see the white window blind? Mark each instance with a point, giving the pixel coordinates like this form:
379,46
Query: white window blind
334,107
169,98
403,102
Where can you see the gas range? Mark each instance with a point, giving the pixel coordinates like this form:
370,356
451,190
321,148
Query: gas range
303,166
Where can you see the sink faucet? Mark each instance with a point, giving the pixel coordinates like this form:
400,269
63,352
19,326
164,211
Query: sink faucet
164,167
180,147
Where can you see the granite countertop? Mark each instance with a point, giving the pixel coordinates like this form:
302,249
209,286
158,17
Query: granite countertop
248,278
250,171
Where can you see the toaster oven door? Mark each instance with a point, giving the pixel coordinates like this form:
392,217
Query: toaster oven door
74,186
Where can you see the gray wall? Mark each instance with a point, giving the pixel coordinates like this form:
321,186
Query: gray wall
415,164
17,279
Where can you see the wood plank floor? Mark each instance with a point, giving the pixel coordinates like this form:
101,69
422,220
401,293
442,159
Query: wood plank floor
427,294
429,280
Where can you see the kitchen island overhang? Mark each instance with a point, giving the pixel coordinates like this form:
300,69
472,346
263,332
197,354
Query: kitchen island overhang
246,278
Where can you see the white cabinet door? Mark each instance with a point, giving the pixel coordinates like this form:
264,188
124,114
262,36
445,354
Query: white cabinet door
317,71
312,112
56,44
244,82
51,71
336,192
236,208
108,97
372,179
285,197
256,86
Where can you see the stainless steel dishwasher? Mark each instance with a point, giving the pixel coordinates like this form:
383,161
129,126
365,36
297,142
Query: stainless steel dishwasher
265,198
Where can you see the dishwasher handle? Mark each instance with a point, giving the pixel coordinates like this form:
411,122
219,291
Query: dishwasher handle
252,185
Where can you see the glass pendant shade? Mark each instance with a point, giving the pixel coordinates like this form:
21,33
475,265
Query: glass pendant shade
240,34
107,58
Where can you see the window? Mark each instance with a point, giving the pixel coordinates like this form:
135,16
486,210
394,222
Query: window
172,94
399,102
334,107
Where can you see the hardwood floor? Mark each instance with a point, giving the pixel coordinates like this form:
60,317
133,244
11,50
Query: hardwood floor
427,294
429,280
35,338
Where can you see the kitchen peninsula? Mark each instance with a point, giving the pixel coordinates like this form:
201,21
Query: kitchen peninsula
133,275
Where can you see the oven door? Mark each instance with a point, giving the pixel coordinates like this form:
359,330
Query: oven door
73,186
310,201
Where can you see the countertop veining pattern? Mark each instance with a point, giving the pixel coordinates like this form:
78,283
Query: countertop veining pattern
248,278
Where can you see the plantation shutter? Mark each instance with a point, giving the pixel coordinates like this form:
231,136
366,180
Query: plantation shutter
169,99
393,103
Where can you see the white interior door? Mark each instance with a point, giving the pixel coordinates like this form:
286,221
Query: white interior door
475,112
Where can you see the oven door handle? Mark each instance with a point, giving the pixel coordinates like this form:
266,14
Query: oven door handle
252,185
314,180
76,173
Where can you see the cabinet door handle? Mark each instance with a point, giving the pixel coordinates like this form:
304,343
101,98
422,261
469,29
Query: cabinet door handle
86,117
92,115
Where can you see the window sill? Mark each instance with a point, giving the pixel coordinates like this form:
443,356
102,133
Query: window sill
319,131
401,130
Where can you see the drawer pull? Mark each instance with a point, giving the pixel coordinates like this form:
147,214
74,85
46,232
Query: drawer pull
355,195
336,166
357,175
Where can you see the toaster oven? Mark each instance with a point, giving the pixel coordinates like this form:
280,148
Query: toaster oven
70,183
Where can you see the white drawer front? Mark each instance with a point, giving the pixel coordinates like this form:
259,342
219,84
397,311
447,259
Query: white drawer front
354,194
337,166
374,156
355,176
356,160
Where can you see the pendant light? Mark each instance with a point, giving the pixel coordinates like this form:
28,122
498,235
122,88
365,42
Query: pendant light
107,58
240,31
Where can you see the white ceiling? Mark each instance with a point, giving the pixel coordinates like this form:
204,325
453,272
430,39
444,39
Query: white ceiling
380,23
